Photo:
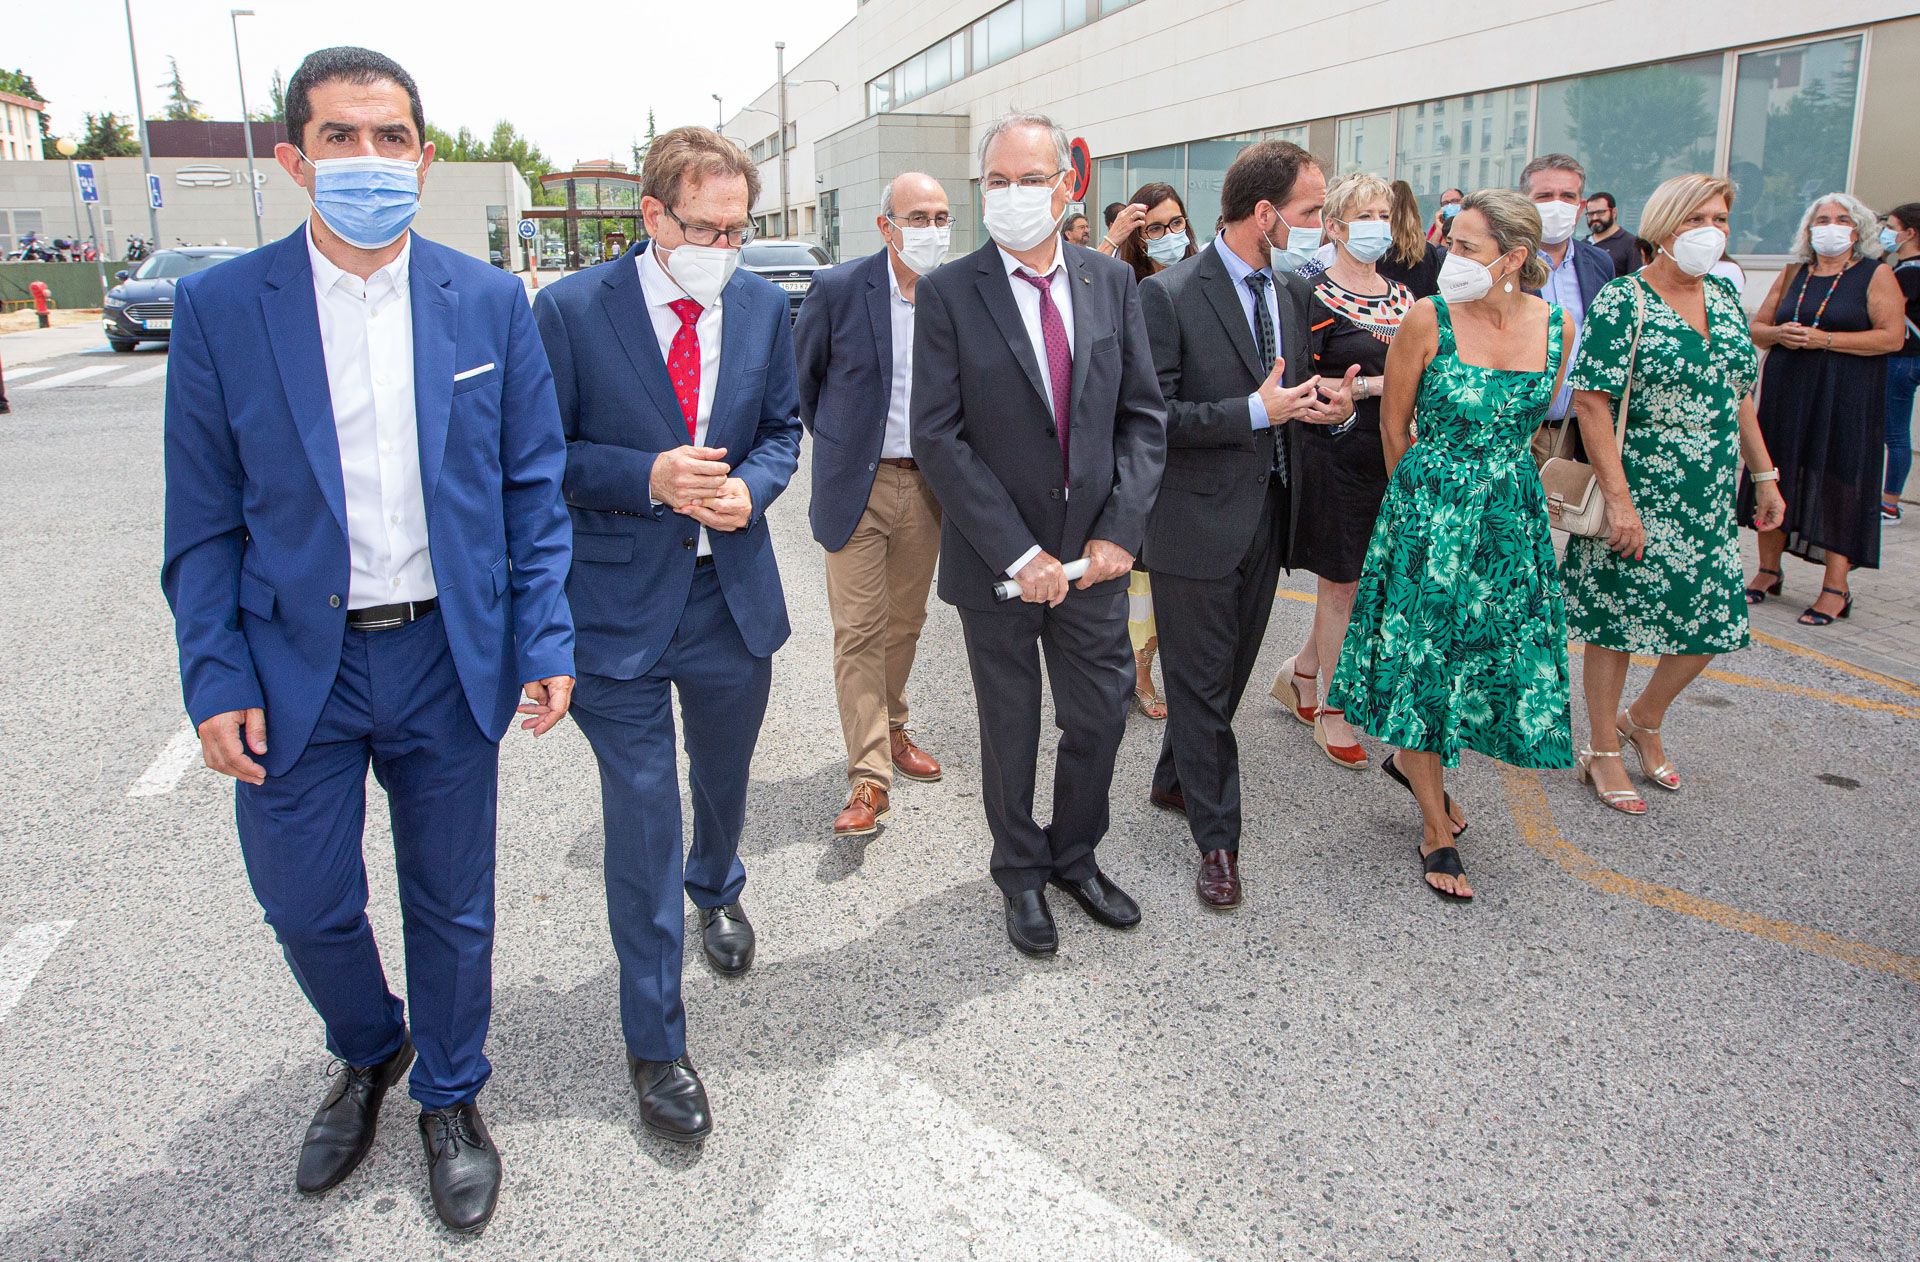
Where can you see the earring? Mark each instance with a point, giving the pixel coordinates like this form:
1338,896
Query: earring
1508,287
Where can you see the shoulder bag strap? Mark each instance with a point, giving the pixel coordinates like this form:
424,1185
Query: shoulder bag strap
1633,350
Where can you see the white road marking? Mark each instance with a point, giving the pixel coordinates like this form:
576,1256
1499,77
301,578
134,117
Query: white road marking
15,374
933,1184
69,378
163,775
144,375
22,957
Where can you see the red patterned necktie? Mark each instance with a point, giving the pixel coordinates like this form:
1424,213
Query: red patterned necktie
683,363
1053,332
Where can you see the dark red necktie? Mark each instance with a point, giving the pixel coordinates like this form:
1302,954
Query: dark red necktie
683,363
1053,332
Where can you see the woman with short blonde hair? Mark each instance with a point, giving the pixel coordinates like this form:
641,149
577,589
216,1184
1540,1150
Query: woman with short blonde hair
1666,580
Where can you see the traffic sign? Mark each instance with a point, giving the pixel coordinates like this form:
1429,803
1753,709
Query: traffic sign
1081,157
153,191
89,187
527,229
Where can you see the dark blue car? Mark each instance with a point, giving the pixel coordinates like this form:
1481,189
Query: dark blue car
140,307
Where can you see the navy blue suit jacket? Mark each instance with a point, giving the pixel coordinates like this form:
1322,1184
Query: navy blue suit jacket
634,559
257,559
1592,266
844,343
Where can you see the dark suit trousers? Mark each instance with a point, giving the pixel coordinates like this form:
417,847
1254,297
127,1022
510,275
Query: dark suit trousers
1210,634
629,722
397,704
1090,668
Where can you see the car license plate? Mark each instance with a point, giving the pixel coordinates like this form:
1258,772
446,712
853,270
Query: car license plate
158,324
795,286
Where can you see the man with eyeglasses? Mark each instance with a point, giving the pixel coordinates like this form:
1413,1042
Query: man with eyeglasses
1037,421
872,510
675,377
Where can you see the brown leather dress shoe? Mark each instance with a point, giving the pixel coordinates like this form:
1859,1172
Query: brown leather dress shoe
865,811
1168,800
1219,881
912,761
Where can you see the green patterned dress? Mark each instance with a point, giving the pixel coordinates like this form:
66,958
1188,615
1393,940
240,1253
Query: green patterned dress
1681,456
1459,633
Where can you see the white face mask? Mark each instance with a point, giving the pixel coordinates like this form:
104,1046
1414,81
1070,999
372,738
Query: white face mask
1019,218
1369,239
1301,243
1556,221
1696,250
702,270
1463,280
923,249
1831,240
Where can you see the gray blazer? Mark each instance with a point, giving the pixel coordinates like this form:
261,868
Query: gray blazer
983,433
1217,463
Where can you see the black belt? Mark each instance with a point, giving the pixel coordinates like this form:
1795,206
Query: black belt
387,617
705,560
899,462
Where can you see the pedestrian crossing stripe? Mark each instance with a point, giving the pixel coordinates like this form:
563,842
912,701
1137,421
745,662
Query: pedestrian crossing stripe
95,374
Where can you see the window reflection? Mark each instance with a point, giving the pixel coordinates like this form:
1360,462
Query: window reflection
1792,137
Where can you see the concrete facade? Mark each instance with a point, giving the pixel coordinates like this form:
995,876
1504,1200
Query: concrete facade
20,128
204,202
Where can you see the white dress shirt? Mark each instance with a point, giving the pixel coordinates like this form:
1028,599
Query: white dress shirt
897,445
1027,299
366,338
661,291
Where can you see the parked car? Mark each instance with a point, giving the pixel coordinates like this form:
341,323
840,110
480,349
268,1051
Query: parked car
140,308
788,264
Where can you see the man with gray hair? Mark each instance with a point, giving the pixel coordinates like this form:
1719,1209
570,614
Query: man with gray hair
872,510
1557,182
1037,420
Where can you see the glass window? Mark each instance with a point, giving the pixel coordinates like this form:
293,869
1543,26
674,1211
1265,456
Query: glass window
1502,148
1207,163
1167,166
1296,134
1040,21
910,80
978,41
1633,128
880,94
1003,31
939,65
1110,182
1792,137
1113,6
1076,14
1362,144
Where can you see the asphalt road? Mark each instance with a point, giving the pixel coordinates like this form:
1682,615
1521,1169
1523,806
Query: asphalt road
1689,1036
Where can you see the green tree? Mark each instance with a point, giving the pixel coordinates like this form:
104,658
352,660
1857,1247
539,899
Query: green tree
107,136
276,111
1636,127
505,145
180,106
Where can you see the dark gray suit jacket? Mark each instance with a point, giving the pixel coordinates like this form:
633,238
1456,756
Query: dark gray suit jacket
1217,463
843,342
984,435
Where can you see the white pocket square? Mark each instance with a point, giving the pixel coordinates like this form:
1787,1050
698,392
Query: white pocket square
472,372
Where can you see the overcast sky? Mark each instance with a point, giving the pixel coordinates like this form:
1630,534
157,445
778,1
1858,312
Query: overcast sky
578,79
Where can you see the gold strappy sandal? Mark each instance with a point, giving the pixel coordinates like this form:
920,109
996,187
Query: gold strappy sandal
1666,775
1626,801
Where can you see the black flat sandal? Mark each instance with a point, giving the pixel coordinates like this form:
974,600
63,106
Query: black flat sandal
1758,595
1811,617
1443,862
1399,777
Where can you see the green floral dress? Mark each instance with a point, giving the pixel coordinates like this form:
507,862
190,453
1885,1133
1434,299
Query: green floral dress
1681,456
1459,633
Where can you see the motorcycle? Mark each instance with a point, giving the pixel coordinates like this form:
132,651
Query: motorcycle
32,249
137,249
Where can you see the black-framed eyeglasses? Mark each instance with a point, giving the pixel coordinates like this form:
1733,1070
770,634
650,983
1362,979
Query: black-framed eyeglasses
1154,231
706,234
941,220
994,183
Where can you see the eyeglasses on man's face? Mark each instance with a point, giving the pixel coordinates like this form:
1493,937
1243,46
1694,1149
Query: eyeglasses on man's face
994,183
917,220
1154,231
707,234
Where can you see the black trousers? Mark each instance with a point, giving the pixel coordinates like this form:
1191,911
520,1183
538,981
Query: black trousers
1210,634
1090,669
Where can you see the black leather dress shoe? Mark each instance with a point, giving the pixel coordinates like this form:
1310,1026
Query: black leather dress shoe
463,1166
1030,923
727,936
673,1100
342,1129
1101,899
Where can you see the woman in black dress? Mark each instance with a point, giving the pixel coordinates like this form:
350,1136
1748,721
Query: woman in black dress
1341,472
1412,261
1827,325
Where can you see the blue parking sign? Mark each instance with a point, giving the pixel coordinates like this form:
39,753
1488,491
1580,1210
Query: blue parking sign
153,191
89,187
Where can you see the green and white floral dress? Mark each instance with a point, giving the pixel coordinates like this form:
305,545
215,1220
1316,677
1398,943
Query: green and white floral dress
1459,633
1681,456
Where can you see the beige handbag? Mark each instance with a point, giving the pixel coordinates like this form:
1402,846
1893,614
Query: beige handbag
1574,502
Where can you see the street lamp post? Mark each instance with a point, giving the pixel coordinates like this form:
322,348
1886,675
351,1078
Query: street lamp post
719,113
780,69
246,125
146,157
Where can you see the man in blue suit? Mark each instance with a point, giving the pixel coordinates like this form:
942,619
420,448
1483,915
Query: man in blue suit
676,384
872,509
1576,270
366,555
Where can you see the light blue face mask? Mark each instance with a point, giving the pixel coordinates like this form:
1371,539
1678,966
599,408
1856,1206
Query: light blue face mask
1369,239
1169,249
368,202
1889,240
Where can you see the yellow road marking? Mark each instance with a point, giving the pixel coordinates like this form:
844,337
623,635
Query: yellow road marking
1534,817
1900,686
1305,598
1818,694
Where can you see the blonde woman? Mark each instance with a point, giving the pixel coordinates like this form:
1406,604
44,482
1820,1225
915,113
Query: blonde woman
1666,581
1459,634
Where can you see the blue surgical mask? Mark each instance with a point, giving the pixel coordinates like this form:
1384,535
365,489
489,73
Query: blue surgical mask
1169,249
1889,240
1369,239
1299,247
1449,210
368,202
